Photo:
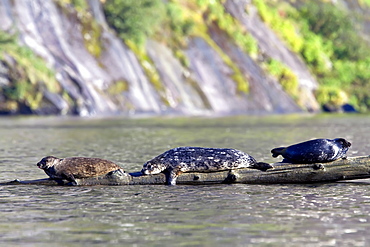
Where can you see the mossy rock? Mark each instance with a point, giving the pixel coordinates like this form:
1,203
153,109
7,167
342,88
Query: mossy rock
118,87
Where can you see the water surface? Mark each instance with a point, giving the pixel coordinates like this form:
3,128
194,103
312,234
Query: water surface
331,214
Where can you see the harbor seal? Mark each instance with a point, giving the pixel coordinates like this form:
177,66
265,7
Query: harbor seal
314,151
196,159
75,167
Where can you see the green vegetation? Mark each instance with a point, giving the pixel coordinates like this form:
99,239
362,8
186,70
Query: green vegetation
332,96
90,29
28,74
149,69
286,77
321,32
34,67
91,32
80,5
286,28
365,2
134,19
208,13
118,87
242,84
334,26
179,24
214,12
328,41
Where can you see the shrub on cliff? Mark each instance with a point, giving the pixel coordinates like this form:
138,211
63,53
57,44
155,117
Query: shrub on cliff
134,19
347,50
336,26
332,47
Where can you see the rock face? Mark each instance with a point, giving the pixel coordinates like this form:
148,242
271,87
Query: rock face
85,80
270,44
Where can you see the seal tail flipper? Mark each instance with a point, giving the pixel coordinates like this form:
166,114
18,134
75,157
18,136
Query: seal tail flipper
261,166
277,151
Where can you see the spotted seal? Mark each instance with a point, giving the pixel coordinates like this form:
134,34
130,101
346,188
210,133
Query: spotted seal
75,167
313,151
196,159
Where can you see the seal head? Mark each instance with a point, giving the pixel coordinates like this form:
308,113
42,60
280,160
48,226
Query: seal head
197,159
314,151
47,162
152,168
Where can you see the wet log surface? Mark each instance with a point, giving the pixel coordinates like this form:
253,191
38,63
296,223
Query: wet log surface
282,173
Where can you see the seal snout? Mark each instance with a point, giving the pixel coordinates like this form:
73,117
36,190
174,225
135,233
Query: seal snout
343,142
46,162
41,164
278,151
144,172
348,144
149,168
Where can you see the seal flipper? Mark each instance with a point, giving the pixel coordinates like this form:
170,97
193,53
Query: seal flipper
172,175
278,151
287,161
58,180
71,179
261,166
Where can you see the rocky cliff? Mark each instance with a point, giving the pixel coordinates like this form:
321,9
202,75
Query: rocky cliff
115,81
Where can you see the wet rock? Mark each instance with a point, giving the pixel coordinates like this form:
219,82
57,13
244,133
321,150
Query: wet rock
349,108
272,46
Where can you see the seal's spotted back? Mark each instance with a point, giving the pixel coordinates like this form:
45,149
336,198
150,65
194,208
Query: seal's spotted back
197,159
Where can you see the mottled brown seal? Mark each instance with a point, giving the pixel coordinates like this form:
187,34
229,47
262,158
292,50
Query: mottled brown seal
198,159
314,151
76,167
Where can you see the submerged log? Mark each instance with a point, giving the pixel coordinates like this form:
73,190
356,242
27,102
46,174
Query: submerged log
282,173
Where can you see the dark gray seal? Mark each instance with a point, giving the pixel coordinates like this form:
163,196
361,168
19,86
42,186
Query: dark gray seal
76,167
197,159
313,151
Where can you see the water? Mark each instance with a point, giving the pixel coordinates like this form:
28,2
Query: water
331,214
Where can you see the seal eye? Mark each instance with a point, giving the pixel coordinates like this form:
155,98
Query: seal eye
149,167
